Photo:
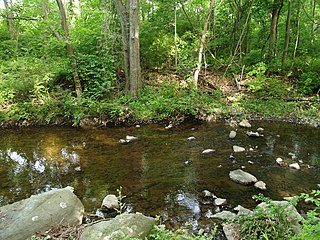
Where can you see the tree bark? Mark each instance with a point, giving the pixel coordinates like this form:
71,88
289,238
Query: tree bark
298,34
287,37
313,27
10,18
65,27
202,45
277,5
135,69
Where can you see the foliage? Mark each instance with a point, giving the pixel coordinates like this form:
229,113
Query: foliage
310,228
160,232
266,224
309,82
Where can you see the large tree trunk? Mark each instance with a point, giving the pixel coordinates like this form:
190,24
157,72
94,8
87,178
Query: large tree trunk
202,45
9,15
277,5
135,69
65,27
123,15
129,19
286,40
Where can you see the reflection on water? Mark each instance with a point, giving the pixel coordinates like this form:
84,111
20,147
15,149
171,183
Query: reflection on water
162,172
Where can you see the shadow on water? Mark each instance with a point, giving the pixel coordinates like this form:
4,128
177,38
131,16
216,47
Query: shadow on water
162,172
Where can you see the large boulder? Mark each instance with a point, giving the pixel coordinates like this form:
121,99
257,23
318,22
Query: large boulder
123,226
20,220
242,177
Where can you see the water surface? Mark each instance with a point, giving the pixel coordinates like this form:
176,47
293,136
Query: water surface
153,171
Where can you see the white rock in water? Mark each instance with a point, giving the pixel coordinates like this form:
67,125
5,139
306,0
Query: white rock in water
207,193
253,134
238,149
242,177
220,201
232,134
244,123
280,161
260,129
191,138
241,210
295,166
130,138
260,185
208,151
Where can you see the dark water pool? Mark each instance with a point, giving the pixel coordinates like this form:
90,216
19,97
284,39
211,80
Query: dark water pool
152,169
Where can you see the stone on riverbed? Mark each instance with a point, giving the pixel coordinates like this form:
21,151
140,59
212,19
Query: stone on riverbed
232,134
20,220
244,123
242,177
253,134
238,149
242,211
220,201
208,151
124,226
110,202
260,185
295,166
224,215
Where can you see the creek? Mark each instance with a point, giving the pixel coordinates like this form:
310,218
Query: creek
161,172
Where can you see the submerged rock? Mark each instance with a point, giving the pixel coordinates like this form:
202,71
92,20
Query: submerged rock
295,166
232,134
208,151
242,177
280,162
253,134
191,138
244,123
21,220
124,226
238,149
220,201
224,215
260,185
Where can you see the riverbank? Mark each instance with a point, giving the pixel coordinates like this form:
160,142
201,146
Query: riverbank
172,101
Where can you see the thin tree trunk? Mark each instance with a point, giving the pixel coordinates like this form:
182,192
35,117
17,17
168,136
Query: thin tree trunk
313,27
298,35
175,37
135,69
202,45
123,15
277,5
287,37
10,22
65,27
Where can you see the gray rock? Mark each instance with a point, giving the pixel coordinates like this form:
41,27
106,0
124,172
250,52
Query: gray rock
242,177
224,215
242,211
232,231
244,123
253,134
124,226
280,162
232,134
220,201
131,138
208,151
260,185
191,138
295,166
260,129
207,193
20,220
110,202
238,149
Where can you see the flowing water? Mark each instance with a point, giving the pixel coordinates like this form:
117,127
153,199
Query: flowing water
152,169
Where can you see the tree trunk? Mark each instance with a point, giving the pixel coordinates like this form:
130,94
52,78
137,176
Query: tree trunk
135,69
65,27
298,34
123,15
10,22
286,40
202,45
277,5
313,27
